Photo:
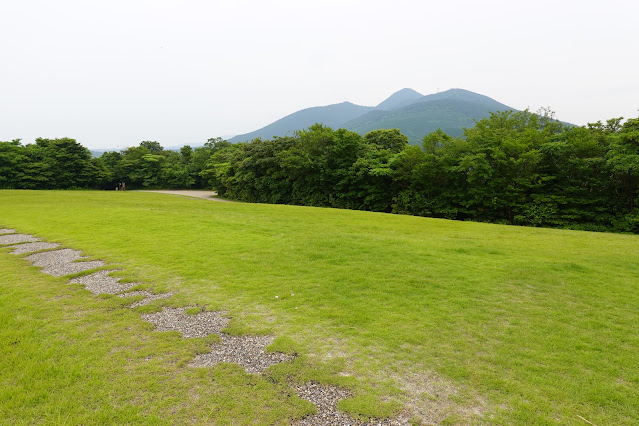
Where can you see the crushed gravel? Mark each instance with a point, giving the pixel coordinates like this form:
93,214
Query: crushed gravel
199,325
325,398
247,351
31,247
148,297
62,262
7,231
17,239
101,283
53,257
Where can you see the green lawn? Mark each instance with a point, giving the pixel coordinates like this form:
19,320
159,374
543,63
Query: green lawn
524,325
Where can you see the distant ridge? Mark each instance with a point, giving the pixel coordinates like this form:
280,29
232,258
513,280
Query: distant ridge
451,111
331,115
414,114
400,99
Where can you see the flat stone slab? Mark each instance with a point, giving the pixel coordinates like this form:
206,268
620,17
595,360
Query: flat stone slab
247,351
7,231
148,297
17,239
199,325
101,283
62,262
31,247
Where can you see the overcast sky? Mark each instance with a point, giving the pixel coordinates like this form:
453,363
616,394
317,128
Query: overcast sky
114,73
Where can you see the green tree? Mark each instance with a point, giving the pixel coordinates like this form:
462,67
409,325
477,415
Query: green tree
390,139
12,160
152,146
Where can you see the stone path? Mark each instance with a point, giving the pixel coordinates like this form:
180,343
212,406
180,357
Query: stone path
247,351
101,283
62,262
207,195
148,297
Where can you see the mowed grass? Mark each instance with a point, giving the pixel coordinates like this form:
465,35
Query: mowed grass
526,325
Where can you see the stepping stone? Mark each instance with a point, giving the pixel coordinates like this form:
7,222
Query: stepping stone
31,247
101,283
325,398
7,231
17,239
49,258
62,262
247,351
198,325
148,297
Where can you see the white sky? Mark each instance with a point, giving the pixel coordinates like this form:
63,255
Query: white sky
114,73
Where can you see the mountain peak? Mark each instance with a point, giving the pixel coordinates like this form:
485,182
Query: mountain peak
399,99
459,94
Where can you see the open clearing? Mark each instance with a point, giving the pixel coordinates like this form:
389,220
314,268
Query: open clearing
457,322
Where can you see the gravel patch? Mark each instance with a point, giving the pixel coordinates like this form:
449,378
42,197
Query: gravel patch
7,231
62,262
72,268
247,351
325,398
148,297
17,239
101,283
31,247
54,257
199,325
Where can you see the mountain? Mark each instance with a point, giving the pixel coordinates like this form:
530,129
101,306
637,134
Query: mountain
331,115
450,111
414,114
400,99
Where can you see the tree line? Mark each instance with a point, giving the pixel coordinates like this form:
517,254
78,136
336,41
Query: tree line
65,164
512,167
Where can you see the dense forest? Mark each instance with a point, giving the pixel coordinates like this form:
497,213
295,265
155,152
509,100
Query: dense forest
512,167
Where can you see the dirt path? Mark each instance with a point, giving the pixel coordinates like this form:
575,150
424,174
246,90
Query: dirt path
208,195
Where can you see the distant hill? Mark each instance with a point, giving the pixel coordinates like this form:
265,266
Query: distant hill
450,111
331,115
414,114
400,99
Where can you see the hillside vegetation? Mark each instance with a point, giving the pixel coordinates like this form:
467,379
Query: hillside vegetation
516,325
513,167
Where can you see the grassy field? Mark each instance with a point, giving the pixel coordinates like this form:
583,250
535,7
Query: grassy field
457,321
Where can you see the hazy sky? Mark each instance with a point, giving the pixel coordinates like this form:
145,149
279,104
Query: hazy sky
114,73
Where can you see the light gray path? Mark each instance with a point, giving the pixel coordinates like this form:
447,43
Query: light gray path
148,297
208,195
102,283
17,239
247,351
62,262
325,398
198,325
31,247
